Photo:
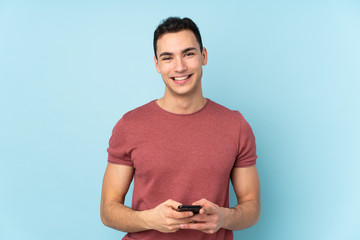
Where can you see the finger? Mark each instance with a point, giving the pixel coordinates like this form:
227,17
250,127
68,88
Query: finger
173,204
203,227
207,206
200,202
208,209
174,213
201,218
180,215
195,226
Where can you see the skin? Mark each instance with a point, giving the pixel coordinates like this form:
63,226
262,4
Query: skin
179,55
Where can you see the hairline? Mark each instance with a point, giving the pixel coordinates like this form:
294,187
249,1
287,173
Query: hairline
192,27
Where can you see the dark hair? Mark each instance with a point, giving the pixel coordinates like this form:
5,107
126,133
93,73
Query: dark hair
176,24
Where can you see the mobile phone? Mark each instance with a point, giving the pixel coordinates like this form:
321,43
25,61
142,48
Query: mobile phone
193,208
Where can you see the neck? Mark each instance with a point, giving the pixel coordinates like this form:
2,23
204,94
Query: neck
182,105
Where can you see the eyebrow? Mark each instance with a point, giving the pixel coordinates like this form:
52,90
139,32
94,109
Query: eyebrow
183,51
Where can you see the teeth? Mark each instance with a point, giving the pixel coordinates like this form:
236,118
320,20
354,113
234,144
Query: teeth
180,78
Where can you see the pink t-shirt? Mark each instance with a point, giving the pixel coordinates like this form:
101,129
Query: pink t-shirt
184,157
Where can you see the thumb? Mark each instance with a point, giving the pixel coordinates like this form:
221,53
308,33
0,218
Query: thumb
201,202
173,204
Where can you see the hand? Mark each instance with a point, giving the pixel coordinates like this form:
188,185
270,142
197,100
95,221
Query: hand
209,220
165,218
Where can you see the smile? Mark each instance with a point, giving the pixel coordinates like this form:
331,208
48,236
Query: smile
181,78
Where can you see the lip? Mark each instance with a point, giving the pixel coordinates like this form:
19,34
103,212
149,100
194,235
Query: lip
181,82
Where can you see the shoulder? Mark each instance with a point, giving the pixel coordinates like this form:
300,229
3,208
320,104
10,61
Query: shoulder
224,112
233,118
139,113
135,117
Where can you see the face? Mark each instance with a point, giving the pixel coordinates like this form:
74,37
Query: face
180,63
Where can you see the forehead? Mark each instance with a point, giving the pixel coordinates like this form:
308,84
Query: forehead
174,42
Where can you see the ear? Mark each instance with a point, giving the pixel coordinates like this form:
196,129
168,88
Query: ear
204,56
156,64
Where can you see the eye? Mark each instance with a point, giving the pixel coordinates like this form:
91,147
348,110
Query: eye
189,54
166,59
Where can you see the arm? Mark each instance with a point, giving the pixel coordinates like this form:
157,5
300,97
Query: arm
247,189
116,215
245,214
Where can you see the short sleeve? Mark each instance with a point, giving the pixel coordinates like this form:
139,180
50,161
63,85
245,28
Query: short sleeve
118,152
246,155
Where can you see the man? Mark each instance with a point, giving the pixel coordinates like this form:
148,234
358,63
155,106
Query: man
181,149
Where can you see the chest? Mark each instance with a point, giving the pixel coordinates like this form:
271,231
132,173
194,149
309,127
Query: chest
187,148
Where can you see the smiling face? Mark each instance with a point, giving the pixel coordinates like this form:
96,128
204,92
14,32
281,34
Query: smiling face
179,61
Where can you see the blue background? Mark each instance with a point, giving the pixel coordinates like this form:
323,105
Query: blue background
70,69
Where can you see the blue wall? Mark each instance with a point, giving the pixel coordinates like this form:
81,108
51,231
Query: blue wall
70,69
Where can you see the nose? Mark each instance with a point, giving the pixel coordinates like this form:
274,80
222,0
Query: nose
180,65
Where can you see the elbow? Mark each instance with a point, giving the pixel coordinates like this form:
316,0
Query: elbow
257,218
103,219
103,216
257,214
253,215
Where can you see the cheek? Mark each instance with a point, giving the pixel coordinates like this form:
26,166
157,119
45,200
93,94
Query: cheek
164,73
165,69
195,63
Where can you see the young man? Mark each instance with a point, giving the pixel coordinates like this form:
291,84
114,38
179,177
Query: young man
181,149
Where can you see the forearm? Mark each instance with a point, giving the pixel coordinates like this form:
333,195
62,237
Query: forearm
120,217
242,216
